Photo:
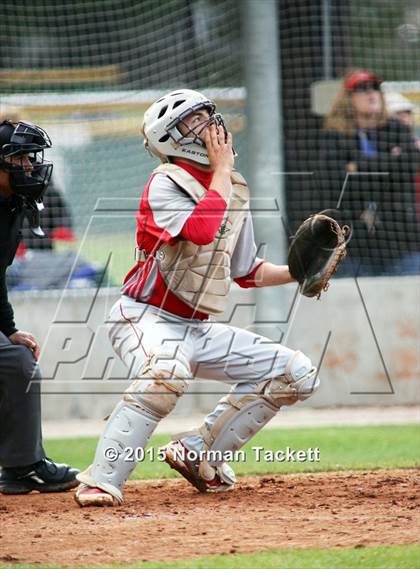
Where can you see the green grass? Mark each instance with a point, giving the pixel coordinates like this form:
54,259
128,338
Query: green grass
97,247
340,448
393,557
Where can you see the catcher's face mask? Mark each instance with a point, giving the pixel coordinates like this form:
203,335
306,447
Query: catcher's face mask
167,132
22,156
189,127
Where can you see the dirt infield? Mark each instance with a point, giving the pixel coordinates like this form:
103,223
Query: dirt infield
168,519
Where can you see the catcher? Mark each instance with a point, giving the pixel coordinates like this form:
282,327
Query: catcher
194,236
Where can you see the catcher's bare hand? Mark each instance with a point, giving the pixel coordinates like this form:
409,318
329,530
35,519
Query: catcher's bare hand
221,159
26,339
219,150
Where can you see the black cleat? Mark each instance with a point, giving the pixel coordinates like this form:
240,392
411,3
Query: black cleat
43,476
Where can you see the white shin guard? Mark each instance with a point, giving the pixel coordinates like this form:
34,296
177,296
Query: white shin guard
237,424
133,421
127,428
244,417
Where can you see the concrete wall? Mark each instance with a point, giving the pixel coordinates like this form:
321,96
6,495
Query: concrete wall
364,336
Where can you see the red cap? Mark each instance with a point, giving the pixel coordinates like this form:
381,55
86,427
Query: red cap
357,78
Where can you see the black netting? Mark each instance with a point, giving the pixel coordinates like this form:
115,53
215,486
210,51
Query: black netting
364,162
87,70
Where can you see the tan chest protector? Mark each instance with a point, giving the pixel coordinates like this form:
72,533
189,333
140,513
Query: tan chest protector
200,274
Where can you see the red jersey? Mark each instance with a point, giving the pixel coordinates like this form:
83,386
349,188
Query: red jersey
166,215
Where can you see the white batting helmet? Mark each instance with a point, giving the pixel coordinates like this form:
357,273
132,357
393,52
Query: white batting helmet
161,120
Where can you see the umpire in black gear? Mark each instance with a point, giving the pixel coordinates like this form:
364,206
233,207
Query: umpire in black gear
24,176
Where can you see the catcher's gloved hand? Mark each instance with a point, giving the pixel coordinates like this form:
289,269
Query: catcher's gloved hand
317,248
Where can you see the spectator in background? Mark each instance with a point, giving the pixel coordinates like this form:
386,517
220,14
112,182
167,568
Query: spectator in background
368,164
401,109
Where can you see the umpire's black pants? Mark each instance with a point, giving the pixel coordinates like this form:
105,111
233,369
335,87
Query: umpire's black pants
20,407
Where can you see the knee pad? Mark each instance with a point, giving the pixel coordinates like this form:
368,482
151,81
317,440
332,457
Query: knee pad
162,381
297,383
150,398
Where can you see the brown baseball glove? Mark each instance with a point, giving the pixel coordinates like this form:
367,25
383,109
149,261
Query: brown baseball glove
316,250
